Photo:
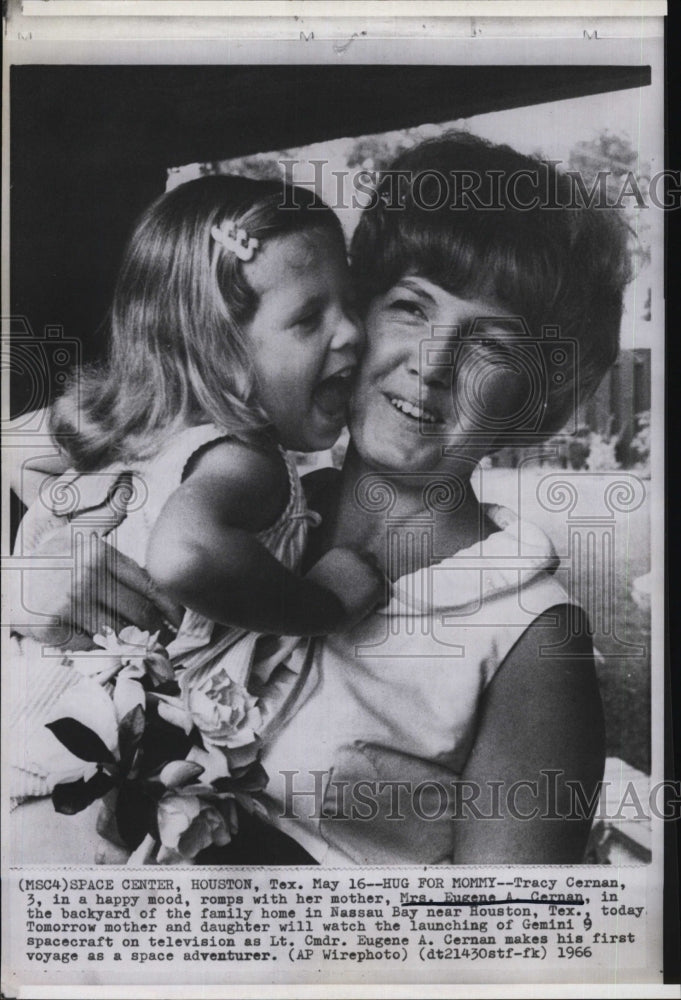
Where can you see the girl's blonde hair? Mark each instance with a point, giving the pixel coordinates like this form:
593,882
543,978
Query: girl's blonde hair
177,355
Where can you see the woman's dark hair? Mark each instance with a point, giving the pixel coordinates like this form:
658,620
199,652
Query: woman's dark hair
484,222
177,355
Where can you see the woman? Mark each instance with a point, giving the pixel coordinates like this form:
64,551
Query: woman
452,725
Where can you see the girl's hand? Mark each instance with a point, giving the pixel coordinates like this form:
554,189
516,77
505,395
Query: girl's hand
356,581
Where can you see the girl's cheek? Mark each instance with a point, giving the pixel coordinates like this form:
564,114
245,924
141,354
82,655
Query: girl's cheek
377,336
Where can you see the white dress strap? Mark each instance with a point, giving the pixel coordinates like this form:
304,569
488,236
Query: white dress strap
171,462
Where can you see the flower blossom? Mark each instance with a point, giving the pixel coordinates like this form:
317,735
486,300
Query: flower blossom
137,651
223,711
188,823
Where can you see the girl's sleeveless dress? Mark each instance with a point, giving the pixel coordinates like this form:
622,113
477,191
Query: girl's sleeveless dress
41,674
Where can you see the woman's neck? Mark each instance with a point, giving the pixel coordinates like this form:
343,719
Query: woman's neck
405,520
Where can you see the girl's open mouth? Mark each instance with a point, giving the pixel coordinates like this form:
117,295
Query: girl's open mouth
333,393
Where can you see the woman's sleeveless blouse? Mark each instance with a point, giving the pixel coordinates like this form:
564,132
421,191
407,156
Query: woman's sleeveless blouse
396,703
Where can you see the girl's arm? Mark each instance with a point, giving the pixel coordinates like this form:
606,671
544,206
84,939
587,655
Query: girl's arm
541,728
204,553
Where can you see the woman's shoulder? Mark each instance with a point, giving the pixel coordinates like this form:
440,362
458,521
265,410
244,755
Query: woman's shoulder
559,632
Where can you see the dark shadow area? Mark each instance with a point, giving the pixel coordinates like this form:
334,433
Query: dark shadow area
90,147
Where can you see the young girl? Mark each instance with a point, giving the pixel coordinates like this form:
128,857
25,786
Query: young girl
233,340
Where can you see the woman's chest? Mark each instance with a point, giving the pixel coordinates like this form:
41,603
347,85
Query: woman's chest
412,685
409,681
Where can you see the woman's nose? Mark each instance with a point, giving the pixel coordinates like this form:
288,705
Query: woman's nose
433,373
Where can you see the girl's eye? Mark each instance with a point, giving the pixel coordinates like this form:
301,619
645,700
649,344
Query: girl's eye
351,309
409,306
309,321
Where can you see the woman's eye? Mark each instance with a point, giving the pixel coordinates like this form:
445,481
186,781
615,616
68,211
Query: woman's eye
493,345
410,307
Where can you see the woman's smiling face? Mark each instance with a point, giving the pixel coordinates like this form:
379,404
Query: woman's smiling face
439,382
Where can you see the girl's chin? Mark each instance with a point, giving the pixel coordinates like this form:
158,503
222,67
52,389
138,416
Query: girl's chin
319,432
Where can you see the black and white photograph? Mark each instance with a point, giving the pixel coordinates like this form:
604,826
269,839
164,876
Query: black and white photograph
332,451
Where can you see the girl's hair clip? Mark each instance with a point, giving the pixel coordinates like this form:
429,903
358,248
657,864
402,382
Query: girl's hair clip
236,240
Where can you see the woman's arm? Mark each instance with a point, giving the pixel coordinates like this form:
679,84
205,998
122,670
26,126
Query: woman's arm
100,588
31,460
541,730
205,554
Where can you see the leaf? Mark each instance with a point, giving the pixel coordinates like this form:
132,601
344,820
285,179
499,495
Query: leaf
135,814
130,734
154,789
250,780
72,797
251,805
144,854
241,758
171,688
106,824
136,762
162,742
256,779
159,669
81,741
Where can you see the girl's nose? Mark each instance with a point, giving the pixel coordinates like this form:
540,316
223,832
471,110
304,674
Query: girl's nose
349,332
